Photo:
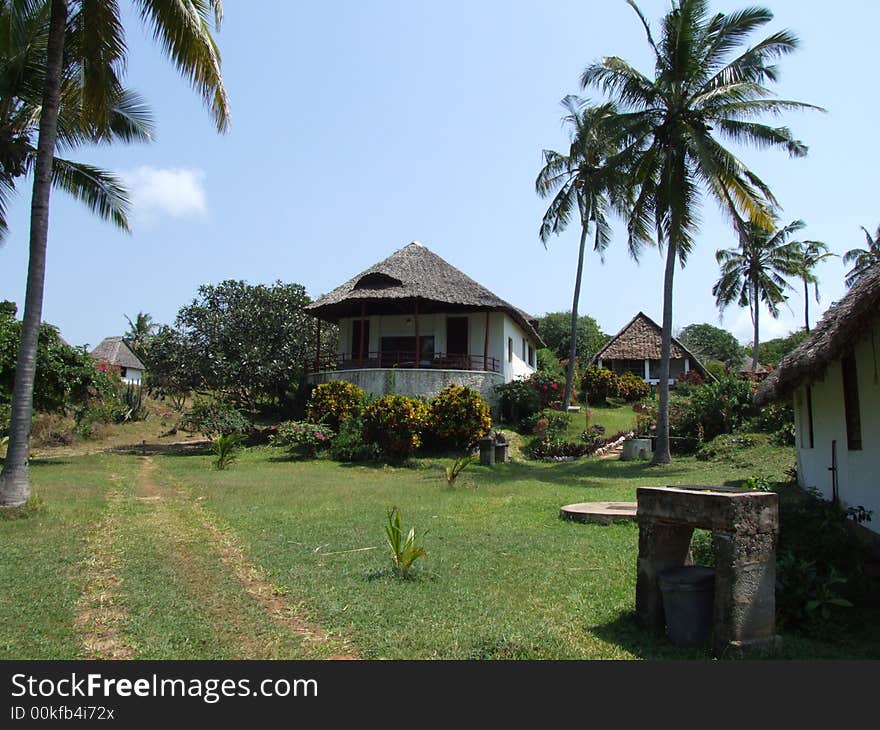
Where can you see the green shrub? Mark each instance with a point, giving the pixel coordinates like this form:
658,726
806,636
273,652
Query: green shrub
333,402
599,384
726,447
632,388
308,438
722,406
458,417
548,424
685,429
549,363
773,417
395,424
517,400
702,548
214,418
549,389
349,446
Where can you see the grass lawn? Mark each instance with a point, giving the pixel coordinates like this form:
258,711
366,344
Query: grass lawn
504,577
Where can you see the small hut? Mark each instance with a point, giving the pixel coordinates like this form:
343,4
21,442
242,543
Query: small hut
413,323
834,380
114,351
637,349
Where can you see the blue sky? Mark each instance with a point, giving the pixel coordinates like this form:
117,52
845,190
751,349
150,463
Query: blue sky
358,127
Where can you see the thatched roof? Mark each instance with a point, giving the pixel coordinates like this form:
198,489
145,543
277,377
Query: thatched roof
114,351
843,325
745,366
414,273
641,339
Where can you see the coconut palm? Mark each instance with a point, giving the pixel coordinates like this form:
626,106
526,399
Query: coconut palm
93,34
863,259
586,182
23,38
139,331
706,91
756,272
810,255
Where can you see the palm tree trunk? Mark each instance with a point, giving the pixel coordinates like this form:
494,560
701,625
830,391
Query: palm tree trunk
14,482
757,310
806,305
661,451
572,348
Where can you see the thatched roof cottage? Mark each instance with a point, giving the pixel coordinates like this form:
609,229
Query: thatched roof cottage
636,349
413,323
834,378
114,351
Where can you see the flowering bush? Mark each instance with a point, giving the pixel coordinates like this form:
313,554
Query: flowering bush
395,423
307,437
457,418
215,418
599,384
518,400
549,389
333,402
549,424
632,388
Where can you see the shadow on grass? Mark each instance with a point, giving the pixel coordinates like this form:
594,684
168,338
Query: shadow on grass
626,632
579,473
188,448
46,462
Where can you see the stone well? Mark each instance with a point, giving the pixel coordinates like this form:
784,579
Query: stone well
745,525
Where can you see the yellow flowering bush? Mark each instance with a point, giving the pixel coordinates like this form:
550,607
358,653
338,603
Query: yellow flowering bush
395,423
458,417
333,402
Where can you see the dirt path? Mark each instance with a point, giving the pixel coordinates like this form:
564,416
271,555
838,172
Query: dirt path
101,616
180,522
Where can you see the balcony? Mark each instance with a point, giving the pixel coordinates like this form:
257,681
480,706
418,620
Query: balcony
405,359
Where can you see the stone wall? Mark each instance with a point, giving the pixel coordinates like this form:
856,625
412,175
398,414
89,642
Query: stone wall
416,381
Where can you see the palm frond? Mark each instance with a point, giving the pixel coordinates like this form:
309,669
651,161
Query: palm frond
99,189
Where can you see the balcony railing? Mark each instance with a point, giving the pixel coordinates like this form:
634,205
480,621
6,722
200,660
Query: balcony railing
405,359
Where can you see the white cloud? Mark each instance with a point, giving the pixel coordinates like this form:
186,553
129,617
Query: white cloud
742,328
159,192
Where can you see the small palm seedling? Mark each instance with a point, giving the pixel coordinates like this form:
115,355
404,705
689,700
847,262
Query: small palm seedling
458,466
404,551
225,447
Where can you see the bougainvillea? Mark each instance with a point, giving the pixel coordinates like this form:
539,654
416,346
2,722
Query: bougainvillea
307,437
395,423
333,402
457,418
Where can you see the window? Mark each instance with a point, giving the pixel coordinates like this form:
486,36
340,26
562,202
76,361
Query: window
851,402
805,410
510,349
524,349
122,372
531,356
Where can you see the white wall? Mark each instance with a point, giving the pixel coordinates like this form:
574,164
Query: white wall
133,375
858,471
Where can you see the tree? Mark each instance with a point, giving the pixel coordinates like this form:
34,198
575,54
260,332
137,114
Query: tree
555,330
702,95
862,259
173,366
755,273
587,182
93,34
249,343
708,342
772,351
23,45
810,255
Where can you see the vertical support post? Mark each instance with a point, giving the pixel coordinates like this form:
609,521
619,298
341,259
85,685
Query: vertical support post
363,325
486,344
418,338
317,344
687,365
647,370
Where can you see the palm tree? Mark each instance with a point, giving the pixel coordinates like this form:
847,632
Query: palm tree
587,182
862,259
96,40
139,331
810,255
23,39
705,92
755,273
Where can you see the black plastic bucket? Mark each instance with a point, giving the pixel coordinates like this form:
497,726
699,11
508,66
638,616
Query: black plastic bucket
688,602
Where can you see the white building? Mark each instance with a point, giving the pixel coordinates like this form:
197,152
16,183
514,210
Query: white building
413,323
834,378
114,352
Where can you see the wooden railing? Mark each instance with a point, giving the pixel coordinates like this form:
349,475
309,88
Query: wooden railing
405,359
